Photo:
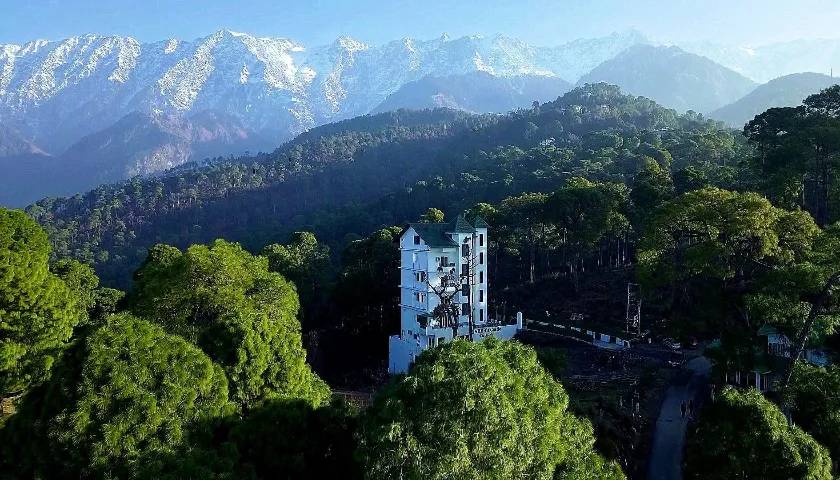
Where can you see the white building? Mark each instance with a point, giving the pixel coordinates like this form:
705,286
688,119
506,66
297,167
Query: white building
443,263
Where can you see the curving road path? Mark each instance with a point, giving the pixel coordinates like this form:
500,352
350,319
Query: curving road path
669,436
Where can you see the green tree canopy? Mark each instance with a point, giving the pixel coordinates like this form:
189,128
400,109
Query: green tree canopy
744,435
586,212
523,230
244,317
98,302
478,411
814,394
652,187
37,310
799,152
366,300
432,215
291,439
304,261
713,246
80,278
130,392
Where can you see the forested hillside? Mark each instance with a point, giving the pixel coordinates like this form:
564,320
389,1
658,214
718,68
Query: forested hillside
203,368
594,131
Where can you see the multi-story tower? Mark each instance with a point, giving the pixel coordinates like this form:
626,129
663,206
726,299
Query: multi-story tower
443,288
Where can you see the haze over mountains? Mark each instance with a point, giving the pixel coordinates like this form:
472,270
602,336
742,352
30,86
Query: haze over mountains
787,91
478,92
766,62
86,110
672,77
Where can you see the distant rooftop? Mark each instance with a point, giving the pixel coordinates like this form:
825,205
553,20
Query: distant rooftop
437,234
434,234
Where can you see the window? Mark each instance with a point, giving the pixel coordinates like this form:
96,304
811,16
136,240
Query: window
420,277
465,309
444,261
431,341
481,315
417,239
481,240
481,258
465,270
420,297
465,290
480,277
481,295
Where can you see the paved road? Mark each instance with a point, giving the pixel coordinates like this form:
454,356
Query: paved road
669,437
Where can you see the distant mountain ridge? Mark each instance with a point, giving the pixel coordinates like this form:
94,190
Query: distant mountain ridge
105,108
137,144
672,77
12,142
763,63
274,86
787,91
109,107
477,92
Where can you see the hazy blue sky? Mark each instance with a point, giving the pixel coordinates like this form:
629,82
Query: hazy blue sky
541,22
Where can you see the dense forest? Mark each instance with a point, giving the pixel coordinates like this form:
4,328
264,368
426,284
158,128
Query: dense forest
725,231
595,132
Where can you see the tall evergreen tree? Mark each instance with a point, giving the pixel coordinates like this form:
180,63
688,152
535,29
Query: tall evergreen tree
243,316
478,411
37,310
744,435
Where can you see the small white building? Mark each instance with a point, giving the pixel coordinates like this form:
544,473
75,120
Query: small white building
443,263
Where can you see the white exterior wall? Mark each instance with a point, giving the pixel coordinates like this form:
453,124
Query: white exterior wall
480,304
402,352
415,259
413,339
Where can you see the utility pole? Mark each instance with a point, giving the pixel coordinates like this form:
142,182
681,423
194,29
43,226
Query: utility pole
634,309
471,259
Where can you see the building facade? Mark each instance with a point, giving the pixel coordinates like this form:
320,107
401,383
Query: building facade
443,289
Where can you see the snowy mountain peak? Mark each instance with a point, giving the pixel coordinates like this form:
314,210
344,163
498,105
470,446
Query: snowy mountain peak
56,91
351,44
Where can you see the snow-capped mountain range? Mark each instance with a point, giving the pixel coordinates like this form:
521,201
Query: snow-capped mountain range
100,109
56,92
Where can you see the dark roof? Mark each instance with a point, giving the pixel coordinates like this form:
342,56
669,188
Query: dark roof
766,330
434,234
479,222
461,225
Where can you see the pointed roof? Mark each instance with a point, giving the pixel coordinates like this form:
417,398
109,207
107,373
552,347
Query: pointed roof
461,225
479,222
766,330
434,234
